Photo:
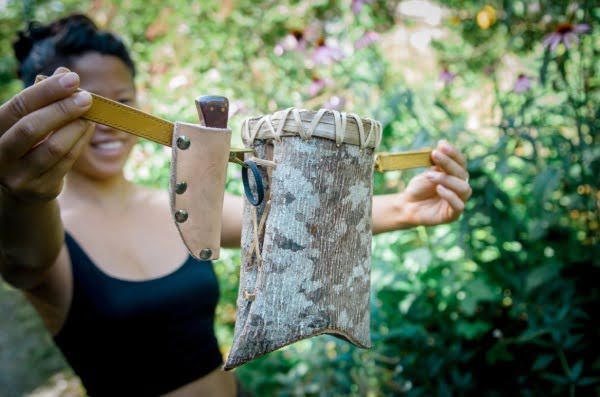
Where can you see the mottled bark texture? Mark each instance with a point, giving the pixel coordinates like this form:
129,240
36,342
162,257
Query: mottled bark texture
315,248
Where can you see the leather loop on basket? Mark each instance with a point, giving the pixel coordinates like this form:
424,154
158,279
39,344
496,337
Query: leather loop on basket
260,189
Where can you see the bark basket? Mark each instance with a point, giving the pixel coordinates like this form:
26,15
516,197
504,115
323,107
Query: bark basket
311,272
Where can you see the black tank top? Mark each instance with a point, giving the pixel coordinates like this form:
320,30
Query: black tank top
139,338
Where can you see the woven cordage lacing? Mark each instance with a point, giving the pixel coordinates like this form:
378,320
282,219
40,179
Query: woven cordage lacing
340,123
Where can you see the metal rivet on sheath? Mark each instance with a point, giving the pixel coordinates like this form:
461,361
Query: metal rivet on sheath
205,253
181,216
183,142
180,188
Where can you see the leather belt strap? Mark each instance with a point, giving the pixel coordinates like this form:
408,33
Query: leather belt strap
126,118
400,161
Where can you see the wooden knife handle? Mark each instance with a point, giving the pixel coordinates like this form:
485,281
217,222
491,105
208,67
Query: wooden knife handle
213,111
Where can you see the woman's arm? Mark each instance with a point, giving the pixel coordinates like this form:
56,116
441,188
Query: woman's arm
231,226
41,136
31,236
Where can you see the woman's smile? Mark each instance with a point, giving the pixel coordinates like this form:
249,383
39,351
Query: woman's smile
109,148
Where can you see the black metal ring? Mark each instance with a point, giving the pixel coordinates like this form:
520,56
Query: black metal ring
260,189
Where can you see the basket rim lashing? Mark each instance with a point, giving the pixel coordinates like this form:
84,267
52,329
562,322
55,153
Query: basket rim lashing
341,127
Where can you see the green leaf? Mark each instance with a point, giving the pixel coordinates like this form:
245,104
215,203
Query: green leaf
576,370
572,340
499,352
544,184
472,330
557,379
544,68
542,362
588,381
541,275
476,291
537,228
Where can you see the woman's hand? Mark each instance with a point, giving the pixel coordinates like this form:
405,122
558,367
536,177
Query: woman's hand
436,196
41,136
439,194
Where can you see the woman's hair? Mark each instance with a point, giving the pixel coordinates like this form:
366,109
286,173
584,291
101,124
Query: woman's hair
41,49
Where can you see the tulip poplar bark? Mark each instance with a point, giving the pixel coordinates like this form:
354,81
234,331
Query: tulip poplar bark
314,274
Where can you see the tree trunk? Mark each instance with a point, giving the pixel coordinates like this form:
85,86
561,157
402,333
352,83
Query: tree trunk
315,246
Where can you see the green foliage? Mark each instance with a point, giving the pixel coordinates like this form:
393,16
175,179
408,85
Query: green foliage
501,302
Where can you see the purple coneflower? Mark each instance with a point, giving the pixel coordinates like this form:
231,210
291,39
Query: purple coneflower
294,41
325,54
335,103
237,107
357,5
366,40
565,33
522,84
317,84
446,76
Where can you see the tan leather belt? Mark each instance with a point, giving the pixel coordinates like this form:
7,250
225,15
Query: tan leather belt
134,121
126,118
401,161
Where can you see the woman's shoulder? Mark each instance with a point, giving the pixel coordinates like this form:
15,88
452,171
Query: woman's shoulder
152,203
152,196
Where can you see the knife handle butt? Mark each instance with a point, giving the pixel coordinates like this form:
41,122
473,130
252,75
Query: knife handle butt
213,111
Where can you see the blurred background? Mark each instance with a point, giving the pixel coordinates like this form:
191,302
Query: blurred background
500,303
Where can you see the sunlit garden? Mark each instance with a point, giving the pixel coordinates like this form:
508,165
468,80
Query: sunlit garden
502,302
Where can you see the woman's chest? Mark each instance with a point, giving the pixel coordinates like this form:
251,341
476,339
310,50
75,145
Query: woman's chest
189,294
138,244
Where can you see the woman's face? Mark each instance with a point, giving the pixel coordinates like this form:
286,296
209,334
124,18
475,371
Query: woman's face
108,149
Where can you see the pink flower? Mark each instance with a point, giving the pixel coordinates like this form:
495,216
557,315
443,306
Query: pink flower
317,85
237,107
335,103
522,84
325,54
565,33
366,40
294,41
446,76
357,5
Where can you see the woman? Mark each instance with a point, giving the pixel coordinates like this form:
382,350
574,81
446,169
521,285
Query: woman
99,257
